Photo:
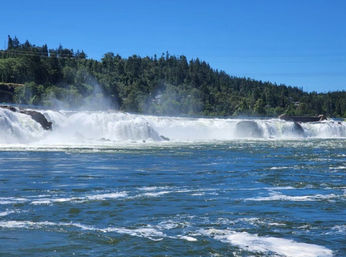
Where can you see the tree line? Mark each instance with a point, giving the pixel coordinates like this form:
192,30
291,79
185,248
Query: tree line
164,85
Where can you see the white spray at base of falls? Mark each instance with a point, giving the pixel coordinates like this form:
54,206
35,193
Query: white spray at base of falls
111,127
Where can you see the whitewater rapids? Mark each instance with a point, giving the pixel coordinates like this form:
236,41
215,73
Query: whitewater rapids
113,127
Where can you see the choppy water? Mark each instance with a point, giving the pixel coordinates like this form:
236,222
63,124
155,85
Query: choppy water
234,198
110,184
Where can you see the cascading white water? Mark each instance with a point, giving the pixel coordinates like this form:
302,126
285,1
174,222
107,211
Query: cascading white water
18,128
110,127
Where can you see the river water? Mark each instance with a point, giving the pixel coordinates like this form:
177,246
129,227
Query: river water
108,184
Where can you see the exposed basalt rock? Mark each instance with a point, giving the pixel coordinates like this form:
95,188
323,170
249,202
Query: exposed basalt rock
164,138
11,108
35,115
298,129
320,117
39,117
248,129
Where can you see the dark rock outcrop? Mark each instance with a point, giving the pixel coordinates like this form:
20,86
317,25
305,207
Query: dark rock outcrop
35,115
38,117
11,108
164,138
298,129
303,118
248,128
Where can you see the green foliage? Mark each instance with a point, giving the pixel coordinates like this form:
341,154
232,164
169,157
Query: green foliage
30,93
259,107
168,85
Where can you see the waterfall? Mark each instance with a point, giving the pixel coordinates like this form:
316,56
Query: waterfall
109,127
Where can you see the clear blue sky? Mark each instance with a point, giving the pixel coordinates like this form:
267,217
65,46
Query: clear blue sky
296,42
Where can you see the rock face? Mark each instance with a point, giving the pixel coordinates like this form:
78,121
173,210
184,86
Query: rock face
164,138
35,115
298,129
11,108
303,118
38,117
248,129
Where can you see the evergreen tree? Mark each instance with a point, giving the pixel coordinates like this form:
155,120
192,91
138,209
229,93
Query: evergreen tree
165,85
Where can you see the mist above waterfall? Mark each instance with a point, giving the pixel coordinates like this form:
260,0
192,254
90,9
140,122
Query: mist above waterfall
95,101
168,100
67,95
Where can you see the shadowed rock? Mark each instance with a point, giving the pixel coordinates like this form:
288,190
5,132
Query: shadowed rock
11,108
298,129
164,138
39,117
303,118
35,115
248,129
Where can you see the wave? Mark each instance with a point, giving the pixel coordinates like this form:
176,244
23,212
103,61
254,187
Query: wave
96,197
7,212
276,196
162,191
338,229
243,240
147,232
150,232
110,127
146,192
267,245
46,200
12,200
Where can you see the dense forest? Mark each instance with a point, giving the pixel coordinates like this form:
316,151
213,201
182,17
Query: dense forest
165,85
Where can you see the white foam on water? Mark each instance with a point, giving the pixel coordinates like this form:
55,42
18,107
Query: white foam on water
276,224
252,221
280,168
153,188
153,233
12,200
153,194
198,194
280,188
338,229
7,212
81,199
154,191
25,224
167,225
338,168
47,200
276,196
106,196
188,238
145,232
267,245
172,224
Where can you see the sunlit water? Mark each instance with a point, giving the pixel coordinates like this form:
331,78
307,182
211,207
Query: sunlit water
132,194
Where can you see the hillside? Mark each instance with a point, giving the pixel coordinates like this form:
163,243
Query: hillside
167,85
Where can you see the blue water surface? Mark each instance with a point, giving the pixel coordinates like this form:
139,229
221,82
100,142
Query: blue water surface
240,198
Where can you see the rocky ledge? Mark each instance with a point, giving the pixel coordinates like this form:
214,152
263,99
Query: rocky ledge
35,115
286,117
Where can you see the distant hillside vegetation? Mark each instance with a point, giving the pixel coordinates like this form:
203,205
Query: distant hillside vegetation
167,85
